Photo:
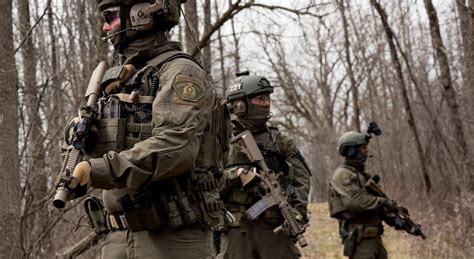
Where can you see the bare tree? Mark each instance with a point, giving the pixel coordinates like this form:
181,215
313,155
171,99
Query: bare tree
192,26
9,179
347,46
445,78
207,27
407,105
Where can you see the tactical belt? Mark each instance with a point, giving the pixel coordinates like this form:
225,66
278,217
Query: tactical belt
154,217
365,231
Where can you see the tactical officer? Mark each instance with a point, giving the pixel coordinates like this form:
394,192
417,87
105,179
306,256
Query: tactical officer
359,212
249,99
154,152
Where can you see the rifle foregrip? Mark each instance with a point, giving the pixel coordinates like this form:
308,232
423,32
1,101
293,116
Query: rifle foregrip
73,157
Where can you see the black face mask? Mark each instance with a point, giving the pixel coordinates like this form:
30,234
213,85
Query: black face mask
361,157
256,118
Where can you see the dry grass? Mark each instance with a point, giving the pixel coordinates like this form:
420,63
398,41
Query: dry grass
324,241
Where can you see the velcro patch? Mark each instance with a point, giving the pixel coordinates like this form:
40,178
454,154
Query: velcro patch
188,89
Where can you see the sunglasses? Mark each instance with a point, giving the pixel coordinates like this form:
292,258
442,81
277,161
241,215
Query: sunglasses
111,14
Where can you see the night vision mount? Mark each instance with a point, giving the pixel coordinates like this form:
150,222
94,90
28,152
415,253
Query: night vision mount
373,129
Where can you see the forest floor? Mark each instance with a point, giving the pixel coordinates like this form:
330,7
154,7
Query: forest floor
324,242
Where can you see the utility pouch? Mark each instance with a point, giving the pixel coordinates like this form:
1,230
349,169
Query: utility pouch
139,213
171,210
189,217
350,243
96,214
110,135
187,213
337,208
129,213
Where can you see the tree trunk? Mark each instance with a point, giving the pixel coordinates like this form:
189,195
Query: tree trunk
236,46
9,178
350,72
35,146
207,27
223,69
411,119
445,79
192,25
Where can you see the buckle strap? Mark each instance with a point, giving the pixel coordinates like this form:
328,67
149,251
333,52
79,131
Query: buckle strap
139,127
208,185
214,206
127,98
194,197
116,222
365,231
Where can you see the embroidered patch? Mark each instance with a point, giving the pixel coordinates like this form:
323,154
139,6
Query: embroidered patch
188,89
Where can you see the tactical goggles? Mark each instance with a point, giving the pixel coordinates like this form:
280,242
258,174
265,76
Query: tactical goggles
111,14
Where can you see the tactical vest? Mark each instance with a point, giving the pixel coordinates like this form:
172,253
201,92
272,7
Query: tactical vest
125,116
337,208
275,160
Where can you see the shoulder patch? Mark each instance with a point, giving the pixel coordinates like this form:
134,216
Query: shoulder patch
189,89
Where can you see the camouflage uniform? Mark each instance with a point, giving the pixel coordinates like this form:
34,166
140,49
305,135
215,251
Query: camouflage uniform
255,239
154,153
358,211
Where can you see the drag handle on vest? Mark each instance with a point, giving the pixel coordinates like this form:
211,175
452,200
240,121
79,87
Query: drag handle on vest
66,188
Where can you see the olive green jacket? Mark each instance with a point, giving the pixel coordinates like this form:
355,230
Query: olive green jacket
349,183
180,112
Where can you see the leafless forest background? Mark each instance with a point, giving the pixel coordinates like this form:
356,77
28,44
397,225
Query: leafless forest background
336,65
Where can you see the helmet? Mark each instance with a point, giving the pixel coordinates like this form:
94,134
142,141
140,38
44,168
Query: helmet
138,17
347,144
248,86
243,88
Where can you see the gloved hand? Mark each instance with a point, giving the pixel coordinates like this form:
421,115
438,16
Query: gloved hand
389,204
248,176
82,173
81,179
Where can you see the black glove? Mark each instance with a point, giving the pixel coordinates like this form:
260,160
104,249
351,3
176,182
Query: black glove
389,204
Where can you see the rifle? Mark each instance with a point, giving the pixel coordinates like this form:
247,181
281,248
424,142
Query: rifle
271,191
75,151
399,218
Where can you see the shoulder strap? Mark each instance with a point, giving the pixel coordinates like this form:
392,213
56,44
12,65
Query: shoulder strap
168,56
273,133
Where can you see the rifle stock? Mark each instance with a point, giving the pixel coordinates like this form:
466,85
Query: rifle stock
75,151
401,217
293,224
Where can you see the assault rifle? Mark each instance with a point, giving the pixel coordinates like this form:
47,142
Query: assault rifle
272,193
398,218
65,183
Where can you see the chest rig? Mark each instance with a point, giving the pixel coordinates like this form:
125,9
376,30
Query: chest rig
126,119
337,208
268,144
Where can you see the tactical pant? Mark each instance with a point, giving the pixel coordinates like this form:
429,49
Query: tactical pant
256,241
185,243
370,248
